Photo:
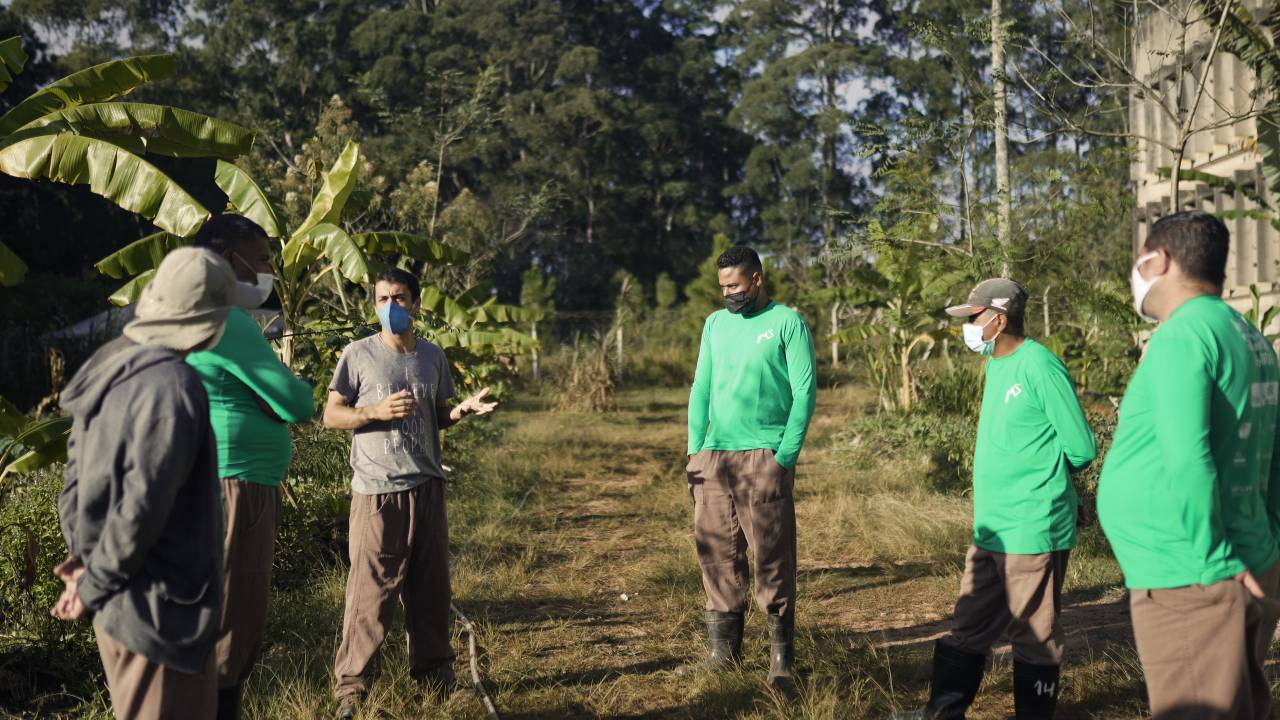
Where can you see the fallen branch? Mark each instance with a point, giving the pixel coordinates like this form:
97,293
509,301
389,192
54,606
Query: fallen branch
477,683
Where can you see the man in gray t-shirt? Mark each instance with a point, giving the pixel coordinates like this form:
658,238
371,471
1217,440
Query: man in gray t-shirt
392,455
392,390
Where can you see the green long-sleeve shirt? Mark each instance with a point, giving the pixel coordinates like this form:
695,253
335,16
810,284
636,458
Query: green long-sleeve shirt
1032,434
754,387
252,446
1183,494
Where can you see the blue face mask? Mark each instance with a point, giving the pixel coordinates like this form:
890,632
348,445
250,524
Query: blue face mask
394,318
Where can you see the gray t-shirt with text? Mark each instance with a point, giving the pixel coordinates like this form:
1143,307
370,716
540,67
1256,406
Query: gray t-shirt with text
394,455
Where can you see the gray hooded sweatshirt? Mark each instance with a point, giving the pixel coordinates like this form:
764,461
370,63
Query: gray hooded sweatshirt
141,506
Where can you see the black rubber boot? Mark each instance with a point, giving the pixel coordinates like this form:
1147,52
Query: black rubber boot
1035,690
781,651
724,642
956,677
724,638
229,703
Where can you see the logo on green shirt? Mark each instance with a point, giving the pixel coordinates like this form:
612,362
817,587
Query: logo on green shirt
1013,391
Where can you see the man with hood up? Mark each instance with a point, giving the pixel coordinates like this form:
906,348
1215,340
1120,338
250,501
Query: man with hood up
140,507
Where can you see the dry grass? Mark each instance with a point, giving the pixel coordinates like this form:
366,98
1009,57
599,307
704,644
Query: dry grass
593,506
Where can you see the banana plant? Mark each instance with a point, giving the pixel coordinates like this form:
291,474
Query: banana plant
475,321
903,300
77,131
27,445
319,250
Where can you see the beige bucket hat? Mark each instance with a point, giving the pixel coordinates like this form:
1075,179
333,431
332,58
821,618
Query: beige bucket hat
186,304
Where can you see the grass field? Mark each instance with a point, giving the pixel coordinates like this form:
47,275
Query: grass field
577,567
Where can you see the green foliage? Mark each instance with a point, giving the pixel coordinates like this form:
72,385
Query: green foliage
38,654
702,294
665,292
26,445
1259,318
946,440
72,132
537,291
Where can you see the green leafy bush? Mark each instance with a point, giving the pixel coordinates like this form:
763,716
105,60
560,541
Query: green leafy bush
38,654
947,440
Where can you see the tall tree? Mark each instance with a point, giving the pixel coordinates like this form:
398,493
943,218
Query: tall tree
800,63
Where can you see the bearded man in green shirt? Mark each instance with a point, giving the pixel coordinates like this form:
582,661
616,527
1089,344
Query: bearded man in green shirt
252,397
1185,495
753,395
1032,435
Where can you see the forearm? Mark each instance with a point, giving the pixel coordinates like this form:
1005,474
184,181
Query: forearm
345,417
802,375
447,417
796,430
1070,425
120,551
698,417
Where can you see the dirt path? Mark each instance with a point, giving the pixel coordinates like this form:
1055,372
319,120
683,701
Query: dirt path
597,598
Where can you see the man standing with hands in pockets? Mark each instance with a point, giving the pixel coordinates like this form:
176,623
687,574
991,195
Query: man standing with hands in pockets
753,394
1183,492
392,389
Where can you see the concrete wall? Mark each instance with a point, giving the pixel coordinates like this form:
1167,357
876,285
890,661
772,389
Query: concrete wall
1228,151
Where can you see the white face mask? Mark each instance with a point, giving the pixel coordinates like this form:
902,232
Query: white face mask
1142,287
973,338
252,295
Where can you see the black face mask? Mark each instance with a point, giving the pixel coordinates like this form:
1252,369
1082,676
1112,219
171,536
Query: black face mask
740,302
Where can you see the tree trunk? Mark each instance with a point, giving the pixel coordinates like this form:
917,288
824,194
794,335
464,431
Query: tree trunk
619,350
1003,199
835,328
537,376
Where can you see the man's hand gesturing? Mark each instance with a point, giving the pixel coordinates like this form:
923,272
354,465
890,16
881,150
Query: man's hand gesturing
396,407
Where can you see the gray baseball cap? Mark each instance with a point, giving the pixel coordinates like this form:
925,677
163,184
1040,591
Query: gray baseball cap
1000,294
186,304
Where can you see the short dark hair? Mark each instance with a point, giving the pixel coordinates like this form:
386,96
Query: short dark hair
1197,241
226,231
401,277
740,256
1015,325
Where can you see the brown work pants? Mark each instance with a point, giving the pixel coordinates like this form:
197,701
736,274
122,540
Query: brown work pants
742,499
1198,646
1020,592
399,548
1264,631
252,515
145,690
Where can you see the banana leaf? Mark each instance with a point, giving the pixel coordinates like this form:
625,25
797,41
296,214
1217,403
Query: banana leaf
496,313
332,243
146,128
95,84
110,171
244,197
505,340
43,442
335,188
11,419
417,247
12,60
129,293
140,255
12,269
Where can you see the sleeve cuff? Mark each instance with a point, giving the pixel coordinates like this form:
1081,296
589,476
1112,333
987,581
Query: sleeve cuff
787,461
91,592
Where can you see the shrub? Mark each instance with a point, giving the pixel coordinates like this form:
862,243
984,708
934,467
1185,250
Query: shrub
947,440
589,381
38,655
